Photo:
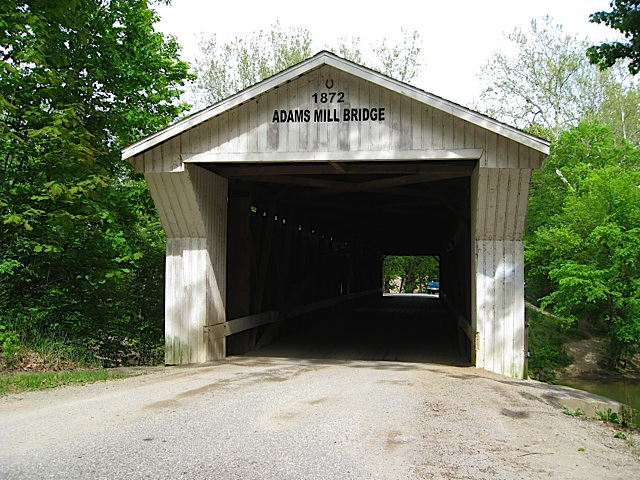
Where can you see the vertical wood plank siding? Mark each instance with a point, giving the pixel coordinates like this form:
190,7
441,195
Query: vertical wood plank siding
502,195
498,211
192,201
192,205
408,125
499,287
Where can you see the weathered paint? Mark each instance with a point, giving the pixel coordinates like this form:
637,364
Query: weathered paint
416,126
411,130
192,204
499,309
337,65
499,207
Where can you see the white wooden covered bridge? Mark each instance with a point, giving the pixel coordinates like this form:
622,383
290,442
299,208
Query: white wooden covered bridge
283,199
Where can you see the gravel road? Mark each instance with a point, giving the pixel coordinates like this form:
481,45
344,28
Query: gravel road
275,418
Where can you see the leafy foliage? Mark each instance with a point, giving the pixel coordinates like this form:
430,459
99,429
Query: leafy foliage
546,85
41,381
79,242
401,62
224,69
583,260
581,243
620,107
624,418
10,344
547,355
573,413
624,17
412,272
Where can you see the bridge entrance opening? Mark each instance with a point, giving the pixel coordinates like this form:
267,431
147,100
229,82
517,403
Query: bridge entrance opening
313,248
332,193
395,327
411,274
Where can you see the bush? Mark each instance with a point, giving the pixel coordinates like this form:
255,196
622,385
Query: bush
547,355
10,344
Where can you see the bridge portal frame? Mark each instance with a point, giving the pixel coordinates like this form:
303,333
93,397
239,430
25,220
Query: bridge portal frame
378,119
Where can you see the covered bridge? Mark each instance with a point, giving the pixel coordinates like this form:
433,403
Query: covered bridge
284,198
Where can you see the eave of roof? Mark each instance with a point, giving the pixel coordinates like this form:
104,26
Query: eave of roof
330,59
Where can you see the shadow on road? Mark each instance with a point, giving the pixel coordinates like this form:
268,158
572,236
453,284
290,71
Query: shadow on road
402,328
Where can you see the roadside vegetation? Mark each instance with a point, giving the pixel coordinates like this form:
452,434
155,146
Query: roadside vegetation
81,246
546,339
24,382
582,254
582,249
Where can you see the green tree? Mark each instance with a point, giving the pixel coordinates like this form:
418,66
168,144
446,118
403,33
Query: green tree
350,49
624,17
225,69
583,259
410,274
78,80
401,61
546,85
620,108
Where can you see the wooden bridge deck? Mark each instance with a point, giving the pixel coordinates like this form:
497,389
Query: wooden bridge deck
403,328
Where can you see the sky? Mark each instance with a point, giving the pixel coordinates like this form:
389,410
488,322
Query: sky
458,37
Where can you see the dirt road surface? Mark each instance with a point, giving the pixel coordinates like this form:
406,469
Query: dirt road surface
275,418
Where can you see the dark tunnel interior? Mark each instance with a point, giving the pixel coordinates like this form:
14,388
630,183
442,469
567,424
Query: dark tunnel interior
395,328
317,234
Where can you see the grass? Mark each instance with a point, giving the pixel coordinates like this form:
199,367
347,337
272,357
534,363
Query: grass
23,382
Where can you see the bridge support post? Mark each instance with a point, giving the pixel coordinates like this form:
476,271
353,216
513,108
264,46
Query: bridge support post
192,204
499,198
499,285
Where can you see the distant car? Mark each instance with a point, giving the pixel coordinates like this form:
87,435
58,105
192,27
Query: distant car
433,286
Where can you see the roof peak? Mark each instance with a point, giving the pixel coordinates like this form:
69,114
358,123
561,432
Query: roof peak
319,60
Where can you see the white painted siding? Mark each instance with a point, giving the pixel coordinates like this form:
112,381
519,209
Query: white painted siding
337,68
192,201
248,130
192,205
499,199
185,305
502,198
499,287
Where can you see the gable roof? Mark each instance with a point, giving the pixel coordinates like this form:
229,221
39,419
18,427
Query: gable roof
330,59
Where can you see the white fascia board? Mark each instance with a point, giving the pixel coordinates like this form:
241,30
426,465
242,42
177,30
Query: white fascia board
373,156
326,58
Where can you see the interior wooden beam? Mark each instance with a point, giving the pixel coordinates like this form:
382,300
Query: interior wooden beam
340,167
394,182
399,191
458,168
241,324
305,182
